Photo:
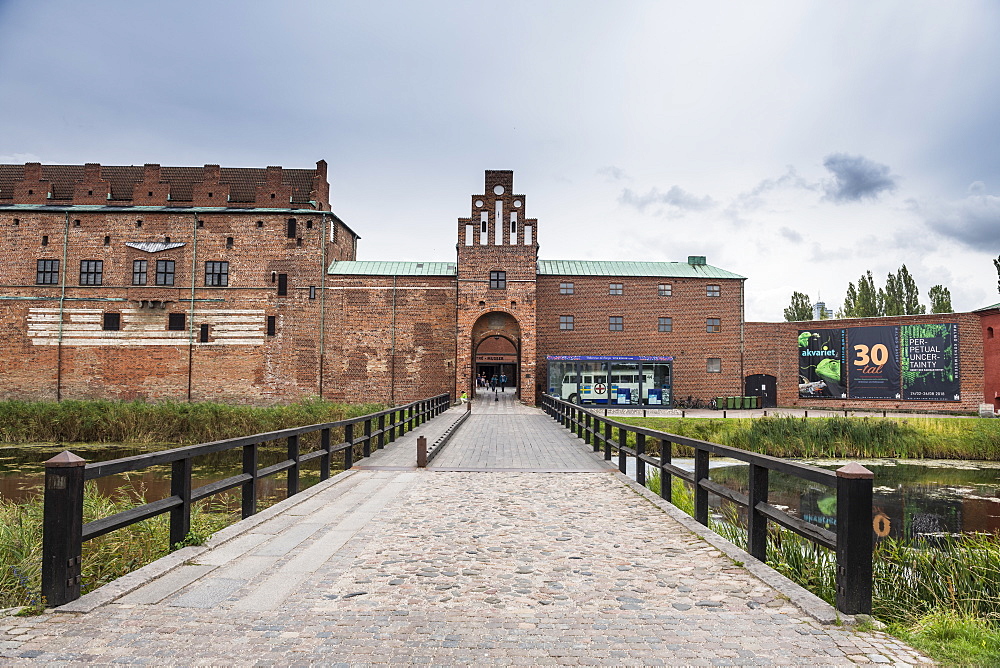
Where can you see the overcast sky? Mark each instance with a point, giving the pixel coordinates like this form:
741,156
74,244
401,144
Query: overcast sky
796,143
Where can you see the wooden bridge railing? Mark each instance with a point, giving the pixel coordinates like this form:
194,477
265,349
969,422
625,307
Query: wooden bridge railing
852,540
64,531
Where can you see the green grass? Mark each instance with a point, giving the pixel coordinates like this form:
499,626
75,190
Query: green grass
104,558
167,422
839,437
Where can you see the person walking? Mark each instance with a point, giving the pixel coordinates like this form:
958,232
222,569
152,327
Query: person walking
503,382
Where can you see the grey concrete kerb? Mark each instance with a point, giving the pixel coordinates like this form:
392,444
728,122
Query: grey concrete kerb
804,599
132,581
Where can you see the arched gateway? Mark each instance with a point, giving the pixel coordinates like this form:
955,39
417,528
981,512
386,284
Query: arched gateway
496,346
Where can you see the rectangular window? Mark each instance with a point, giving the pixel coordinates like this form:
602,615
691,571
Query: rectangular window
271,325
565,288
290,230
176,322
713,365
498,280
164,272
47,272
665,289
282,285
615,289
112,322
615,323
713,290
203,334
665,324
216,274
138,272
713,325
565,322
91,272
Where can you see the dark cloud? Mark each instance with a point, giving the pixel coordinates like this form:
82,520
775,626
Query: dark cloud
973,221
676,197
855,178
754,198
612,173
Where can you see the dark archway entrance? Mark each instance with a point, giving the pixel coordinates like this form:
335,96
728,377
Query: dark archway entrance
764,386
496,348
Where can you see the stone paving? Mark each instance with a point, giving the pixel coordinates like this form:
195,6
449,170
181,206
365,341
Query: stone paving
446,567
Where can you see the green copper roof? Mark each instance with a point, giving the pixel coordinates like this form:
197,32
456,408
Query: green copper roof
629,268
987,308
376,268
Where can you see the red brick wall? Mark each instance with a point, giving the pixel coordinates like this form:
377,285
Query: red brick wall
640,306
772,349
990,321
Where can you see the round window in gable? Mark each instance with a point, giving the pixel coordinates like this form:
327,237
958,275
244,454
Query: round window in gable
498,190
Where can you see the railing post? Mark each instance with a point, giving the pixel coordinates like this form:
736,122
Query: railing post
380,442
579,422
607,441
700,493
249,488
421,452
293,471
392,425
409,418
640,466
349,450
756,520
366,445
324,461
587,428
62,529
622,442
666,479
180,486
854,539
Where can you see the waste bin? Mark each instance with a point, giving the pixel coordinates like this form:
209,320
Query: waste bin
731,402
720,402
754,402
748,402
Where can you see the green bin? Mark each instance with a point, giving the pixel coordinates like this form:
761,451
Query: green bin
748,402
754,402
720,403
731,402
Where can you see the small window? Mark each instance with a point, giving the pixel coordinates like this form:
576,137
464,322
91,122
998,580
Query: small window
290,232
713,325
309,224
271,325
989,332
176,322
282,285
201,223
312,292
713,365
566,322
229,242
112,322
138,223
164,272
713,290
665,290
17,221
498,280
216,274
615,289
45,240
91,272
665,325
138,272
107,241
203,329
260,223
616,323
565,288
47,272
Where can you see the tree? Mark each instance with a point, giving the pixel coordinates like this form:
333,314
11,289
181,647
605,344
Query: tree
799,309
940,299
869,301
850,309
996,263
910,293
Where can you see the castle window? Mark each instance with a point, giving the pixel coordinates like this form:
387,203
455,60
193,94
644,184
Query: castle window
713,365
713,325
112,322
229,242
45,240
209,194
203,329
615,289
201,223
90,192
138,223
312,292
176,322
989,330
665,325
713,290
150,193
566,322
47,272
309,224
290,231
498,280
616,323
138,272
565,288
91,272
17,221
216,274
282,285
164,272
76,223
107,241
260,223
271,325
665,290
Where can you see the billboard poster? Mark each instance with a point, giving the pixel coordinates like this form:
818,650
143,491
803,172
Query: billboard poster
821,364
929,362
873,370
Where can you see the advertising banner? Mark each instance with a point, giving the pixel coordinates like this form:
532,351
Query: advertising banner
929,362
821,364
873,371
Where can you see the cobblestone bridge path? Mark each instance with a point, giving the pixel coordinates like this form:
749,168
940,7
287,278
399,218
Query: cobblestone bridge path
518,546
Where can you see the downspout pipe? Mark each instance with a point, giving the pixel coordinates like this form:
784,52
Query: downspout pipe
194,268
392,359
62,302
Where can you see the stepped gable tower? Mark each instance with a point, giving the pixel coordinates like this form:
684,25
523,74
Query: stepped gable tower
497,267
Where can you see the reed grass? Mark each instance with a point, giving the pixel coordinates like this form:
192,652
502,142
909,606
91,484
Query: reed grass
104,558
840,437
167,422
